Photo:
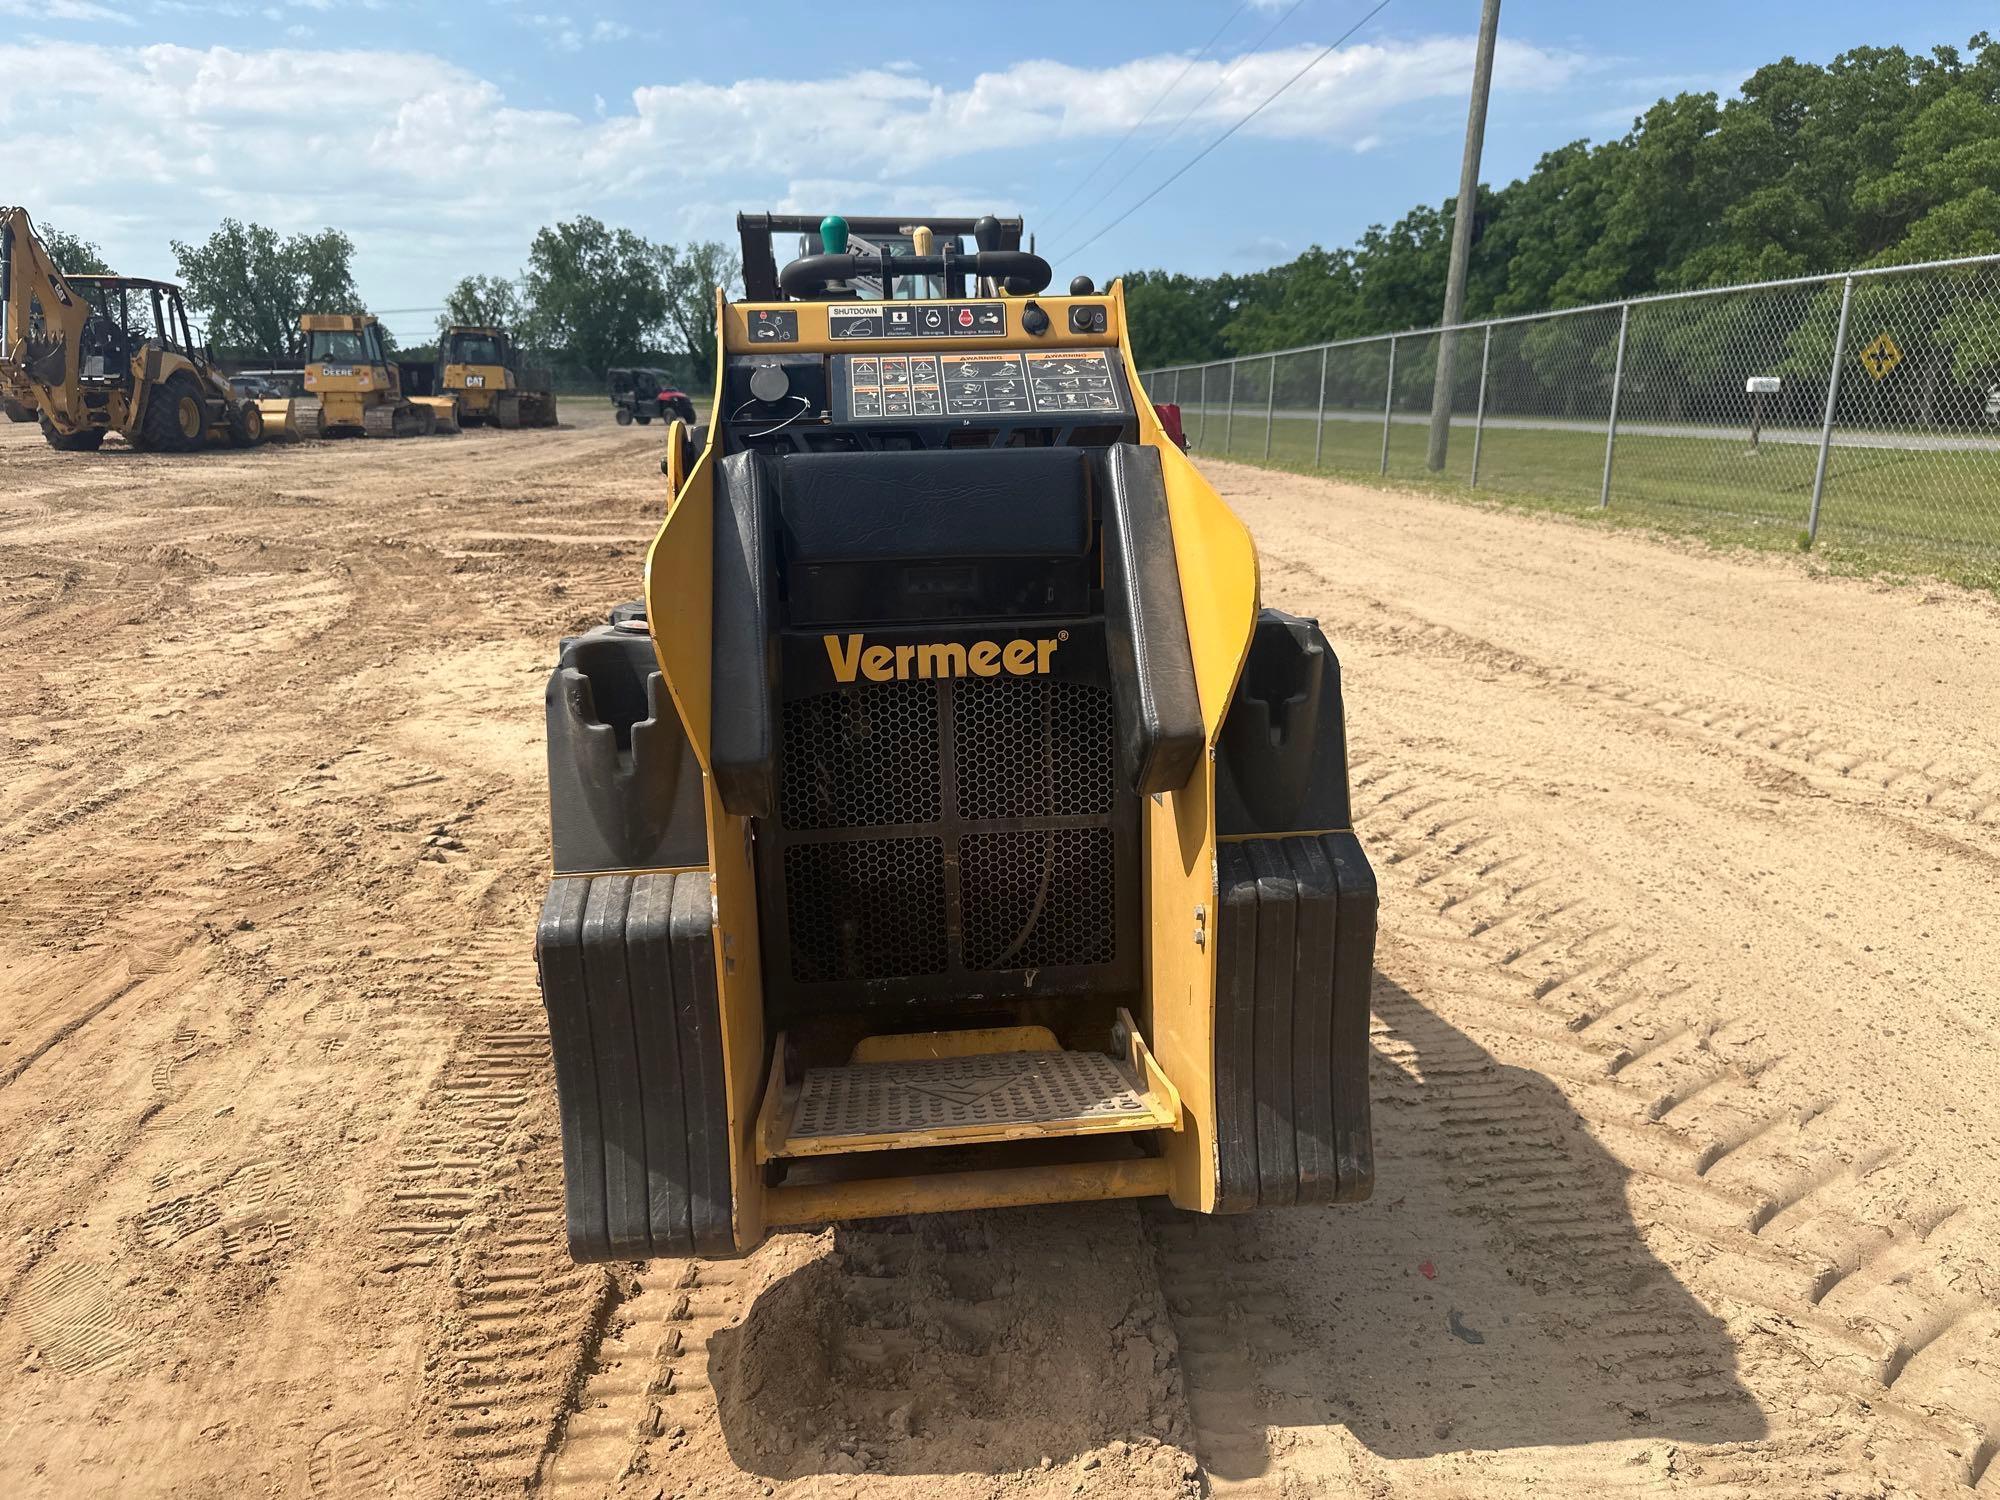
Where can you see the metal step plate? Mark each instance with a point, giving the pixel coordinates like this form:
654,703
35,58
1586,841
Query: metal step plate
995,1096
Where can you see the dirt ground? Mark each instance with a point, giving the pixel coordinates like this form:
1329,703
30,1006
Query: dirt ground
1687,1005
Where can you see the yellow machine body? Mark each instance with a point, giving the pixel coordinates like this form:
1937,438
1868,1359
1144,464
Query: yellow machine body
482,371
89,356
352,386
1211,1047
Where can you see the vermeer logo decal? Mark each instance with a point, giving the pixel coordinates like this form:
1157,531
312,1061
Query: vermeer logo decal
852,656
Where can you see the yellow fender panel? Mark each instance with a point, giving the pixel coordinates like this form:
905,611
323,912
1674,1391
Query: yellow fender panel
1219,594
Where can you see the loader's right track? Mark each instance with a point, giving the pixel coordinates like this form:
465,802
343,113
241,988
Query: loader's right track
306,417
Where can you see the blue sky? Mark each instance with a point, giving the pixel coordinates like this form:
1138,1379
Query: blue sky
441,136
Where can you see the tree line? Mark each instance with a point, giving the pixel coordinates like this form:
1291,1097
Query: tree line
1879,157
590,296
605,296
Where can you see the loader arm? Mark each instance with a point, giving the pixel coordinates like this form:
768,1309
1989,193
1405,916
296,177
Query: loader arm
41,322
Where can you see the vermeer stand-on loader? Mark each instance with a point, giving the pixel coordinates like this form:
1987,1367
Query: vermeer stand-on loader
947,828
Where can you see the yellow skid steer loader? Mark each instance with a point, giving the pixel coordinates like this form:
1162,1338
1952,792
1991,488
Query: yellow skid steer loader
947,827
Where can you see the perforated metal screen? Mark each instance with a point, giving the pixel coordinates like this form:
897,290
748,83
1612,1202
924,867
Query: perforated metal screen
964,827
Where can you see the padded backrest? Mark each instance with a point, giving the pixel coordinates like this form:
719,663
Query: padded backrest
743,668
1160,732
952,503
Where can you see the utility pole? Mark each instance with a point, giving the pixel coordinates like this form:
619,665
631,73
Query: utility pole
1461,234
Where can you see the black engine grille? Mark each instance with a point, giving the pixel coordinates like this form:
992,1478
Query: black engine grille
862,907
856,759
1038,898
1033,749
950,831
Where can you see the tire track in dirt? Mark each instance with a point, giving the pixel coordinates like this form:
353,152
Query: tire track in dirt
1957,787
303,1173
229,881
646,1384
1030,1349
1784,1189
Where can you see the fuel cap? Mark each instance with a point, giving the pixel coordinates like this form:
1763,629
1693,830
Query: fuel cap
769,383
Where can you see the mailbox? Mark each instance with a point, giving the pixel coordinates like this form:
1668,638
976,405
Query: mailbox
1757,387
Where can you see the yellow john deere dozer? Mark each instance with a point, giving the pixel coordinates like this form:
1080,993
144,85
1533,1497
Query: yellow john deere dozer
353,386
93,355
947,827
482,370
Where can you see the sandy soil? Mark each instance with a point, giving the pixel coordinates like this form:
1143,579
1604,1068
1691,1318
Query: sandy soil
1687,1009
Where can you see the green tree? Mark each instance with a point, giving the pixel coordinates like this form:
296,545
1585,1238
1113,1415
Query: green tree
250,285
689,276
1176,319
1881,156
485,302
73,254
594,291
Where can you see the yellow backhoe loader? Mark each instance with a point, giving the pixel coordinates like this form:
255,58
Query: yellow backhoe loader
947,827
482,370
353,386
93,355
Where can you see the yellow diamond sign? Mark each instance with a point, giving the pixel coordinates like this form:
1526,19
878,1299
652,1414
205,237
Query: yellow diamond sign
1881,356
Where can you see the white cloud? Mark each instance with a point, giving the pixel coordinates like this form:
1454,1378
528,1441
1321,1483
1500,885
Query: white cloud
435,173
63,10
878,118
560,30
862,198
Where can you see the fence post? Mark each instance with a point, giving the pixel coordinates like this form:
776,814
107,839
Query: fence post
1479,417
1388,402
1202,441
1611,426
1832,398
1319,431
1270,407
1229,415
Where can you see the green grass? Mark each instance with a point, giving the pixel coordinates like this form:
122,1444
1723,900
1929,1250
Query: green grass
1884,510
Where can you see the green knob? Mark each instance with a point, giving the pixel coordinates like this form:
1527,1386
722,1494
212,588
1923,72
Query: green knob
833,234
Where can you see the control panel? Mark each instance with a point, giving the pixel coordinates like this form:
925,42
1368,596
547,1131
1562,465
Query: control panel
849,322
916,320
972,383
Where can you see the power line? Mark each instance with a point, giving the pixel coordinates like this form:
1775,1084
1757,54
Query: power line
1187,165
1157,102
1214,88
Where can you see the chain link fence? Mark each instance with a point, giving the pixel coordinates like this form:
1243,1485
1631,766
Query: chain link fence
1860,408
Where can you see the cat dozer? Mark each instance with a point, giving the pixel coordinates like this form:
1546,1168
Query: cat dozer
88,356
482,370
352,386
947,827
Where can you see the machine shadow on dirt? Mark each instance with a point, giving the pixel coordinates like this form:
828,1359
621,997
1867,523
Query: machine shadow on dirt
1461,1310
